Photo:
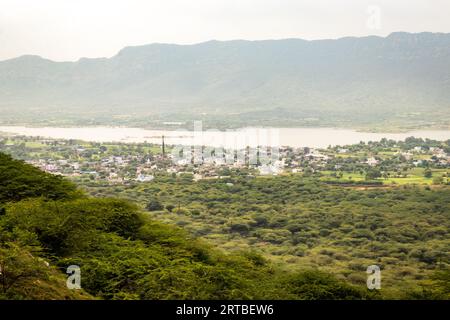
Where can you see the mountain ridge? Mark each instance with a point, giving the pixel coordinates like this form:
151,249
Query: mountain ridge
390,35
356,79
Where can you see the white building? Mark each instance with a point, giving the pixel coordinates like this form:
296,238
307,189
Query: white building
372,161
269,170
144,178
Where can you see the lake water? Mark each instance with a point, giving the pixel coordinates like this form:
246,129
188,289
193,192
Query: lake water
294,137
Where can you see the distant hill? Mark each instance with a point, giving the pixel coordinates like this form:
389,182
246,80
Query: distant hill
353,80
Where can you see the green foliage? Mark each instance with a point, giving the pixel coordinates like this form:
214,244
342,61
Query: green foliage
437,288
438,180
125,254
122,253
25,276
293,219
427,173
373,174
19,181
16,265
154,205
316,285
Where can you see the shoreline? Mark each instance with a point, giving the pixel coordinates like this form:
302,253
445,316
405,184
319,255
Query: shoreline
296,137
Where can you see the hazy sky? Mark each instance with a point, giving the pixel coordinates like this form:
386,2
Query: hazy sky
70,29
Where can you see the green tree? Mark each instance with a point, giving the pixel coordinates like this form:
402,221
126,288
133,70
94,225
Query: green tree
154,205
373,174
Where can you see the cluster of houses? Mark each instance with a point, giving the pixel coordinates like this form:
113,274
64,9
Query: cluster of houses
122,168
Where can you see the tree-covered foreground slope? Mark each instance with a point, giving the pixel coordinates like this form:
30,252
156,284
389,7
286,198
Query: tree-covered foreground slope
46,225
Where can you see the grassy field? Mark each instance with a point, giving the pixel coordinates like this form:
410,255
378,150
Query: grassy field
413,176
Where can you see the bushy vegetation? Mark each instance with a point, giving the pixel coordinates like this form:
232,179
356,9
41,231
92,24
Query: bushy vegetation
303,222
123,254
19,181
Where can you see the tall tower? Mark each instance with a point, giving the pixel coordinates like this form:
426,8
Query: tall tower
163,148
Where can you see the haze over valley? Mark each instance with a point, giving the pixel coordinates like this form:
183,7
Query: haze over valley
399,82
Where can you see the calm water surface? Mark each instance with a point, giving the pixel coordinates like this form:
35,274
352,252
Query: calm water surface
294,137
